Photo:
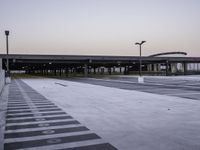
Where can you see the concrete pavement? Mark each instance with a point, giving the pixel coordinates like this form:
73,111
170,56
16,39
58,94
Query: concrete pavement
33,122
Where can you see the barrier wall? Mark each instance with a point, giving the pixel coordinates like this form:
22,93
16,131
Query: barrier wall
2,76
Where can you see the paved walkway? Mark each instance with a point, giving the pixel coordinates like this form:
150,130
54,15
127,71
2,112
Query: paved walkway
33,122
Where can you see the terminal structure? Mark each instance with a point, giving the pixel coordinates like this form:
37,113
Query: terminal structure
85,65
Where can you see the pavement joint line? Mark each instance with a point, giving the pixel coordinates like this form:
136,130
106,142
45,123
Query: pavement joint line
41,137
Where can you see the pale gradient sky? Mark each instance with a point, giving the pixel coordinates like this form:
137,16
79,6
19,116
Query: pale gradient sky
100,27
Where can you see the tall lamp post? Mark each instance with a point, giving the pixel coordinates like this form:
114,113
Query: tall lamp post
140,67
7,60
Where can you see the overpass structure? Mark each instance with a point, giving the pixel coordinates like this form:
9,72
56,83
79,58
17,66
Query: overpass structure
88,64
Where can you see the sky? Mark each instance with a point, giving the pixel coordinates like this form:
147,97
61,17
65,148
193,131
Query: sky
100,27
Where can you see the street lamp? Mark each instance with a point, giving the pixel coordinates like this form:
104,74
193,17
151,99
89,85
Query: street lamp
7,60
140,45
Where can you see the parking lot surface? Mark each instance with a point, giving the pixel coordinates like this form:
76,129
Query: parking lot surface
172,86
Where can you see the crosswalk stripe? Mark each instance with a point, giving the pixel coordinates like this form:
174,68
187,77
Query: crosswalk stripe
42,137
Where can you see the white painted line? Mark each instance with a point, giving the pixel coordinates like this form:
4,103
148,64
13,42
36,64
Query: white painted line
22,113
34,117
13,103
68,145
33,109
40,137
43,128
18,107
37,122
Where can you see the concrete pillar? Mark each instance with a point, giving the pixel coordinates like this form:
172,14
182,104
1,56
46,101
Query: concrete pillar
158,67
94,70
60,72
198,67
109,71
167,68
149,68
85,70
113,69
184,68
125,70
55,72
155,67
66,72
173,67
102,70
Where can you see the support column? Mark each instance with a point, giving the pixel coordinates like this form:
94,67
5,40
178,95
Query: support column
85,70
60,72
55,72
167,68
109,71
184,68
125,70
66,72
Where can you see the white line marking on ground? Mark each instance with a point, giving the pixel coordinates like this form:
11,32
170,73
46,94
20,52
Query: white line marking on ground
68,145
33,109
34,117
43,128
37,122
22,113
40,137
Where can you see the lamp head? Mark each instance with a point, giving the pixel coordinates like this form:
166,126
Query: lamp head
7,32
143,42
137,43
